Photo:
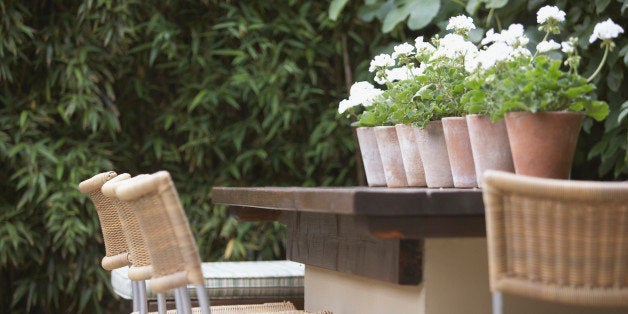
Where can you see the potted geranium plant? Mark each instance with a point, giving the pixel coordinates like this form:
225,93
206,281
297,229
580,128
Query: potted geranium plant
362,94
424,83
543,104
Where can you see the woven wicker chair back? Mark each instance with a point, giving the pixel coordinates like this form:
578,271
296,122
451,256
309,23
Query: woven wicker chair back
171,246
558,240
116,250
139,258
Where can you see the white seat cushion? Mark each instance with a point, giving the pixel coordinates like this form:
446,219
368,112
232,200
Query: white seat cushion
234,280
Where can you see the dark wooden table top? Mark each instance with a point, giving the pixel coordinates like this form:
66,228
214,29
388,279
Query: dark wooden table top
418,212
372,232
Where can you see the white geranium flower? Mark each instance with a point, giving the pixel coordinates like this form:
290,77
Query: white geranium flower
382,60
495,53
361,93
491,37
567,47
513,36
423,48
398,74
453,46
403,49
546,46
460,22
418,71
381,80
471,63
605,30
549,12
345,104
520,52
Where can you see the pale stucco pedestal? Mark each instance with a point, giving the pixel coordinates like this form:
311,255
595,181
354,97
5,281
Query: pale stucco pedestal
455,282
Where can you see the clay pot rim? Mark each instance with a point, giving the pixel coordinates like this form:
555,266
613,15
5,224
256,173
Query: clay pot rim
383,126
453,118
523,113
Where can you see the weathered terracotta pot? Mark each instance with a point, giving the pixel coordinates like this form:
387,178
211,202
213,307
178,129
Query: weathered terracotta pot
373,168
459,151
410,155
390,153
490,146
543,143
434,155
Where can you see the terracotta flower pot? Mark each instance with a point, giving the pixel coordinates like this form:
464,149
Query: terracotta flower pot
390,153
490,146
459,151
410,155
373,168
434,155
543,143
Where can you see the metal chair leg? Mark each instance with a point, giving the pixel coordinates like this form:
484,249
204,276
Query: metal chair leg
498,302
143,299
161,303
135,296
178,300
203,299
187,305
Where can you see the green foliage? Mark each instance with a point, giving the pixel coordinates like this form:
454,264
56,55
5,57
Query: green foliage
602,150
519,85
217,93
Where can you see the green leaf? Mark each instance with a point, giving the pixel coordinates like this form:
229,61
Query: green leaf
335,8
422,13
623,113
614,78
580,90
472,6
600,5
495,4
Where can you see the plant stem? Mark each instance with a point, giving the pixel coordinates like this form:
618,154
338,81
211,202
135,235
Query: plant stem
599,67
499,23
489,17
544,39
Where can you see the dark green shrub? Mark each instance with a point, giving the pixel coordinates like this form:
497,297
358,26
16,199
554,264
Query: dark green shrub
216,92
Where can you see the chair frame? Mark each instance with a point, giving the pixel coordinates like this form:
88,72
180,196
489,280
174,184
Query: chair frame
557,240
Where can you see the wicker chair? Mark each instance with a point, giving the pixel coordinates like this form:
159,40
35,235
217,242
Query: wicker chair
172,248
118,252
557,240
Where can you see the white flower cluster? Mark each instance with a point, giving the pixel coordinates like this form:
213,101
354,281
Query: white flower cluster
453,46
507,45
513,36
361,93
549,12
423,48
546,46
408,61
605,30
403,49
460,22
382,60
567,47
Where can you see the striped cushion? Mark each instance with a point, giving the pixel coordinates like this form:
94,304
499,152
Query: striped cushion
235,280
